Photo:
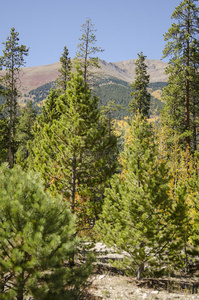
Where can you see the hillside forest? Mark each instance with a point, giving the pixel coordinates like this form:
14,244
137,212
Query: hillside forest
97,162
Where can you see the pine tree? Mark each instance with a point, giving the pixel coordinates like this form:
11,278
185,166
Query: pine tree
4,129
64,71
37,238
75,153
195,235
182,39
194,107
137,203
182,193
173,112
49,110
12,60
141,98
24,133
86,50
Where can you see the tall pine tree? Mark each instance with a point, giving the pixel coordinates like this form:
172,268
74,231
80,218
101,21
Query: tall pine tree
64,71
136,215
4,128
141,97
75,153
182,42
86,50
12,60
24,132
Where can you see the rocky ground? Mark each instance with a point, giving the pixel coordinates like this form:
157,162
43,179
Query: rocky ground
114,287
108,283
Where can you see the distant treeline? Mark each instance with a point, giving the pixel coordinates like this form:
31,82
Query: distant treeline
107,89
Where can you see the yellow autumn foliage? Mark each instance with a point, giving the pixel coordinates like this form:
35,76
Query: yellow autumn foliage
182,166
157,94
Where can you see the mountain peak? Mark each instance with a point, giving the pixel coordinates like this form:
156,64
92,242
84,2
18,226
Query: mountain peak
34,77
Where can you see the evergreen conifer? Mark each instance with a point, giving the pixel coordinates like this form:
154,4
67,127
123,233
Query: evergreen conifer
76,153
141,97
37,239
136,215
12,60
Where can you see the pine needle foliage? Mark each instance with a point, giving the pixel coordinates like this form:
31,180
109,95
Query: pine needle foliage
141,97
11,60
85,56
181,96
136,215
65,70
76,152
36,240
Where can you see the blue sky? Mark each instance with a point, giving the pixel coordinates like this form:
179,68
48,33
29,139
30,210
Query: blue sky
124,27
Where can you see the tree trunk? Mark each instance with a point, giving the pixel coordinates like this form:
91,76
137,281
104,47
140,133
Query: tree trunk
20,290
10,155
73,193
11,118
139,271
186,258
86,53
194,132
73,185
187,104
187,110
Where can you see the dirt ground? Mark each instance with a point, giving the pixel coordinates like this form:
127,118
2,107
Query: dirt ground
105,286
109,283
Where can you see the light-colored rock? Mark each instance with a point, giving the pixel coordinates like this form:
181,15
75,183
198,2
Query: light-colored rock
155,292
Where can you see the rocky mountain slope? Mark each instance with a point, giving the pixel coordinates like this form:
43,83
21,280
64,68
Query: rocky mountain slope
112,83
34,77
125,70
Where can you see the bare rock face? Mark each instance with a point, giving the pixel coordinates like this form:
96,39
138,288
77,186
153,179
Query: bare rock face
125,70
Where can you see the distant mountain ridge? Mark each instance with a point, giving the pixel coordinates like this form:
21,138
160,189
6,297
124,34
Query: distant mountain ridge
34,77
125,70
112,83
